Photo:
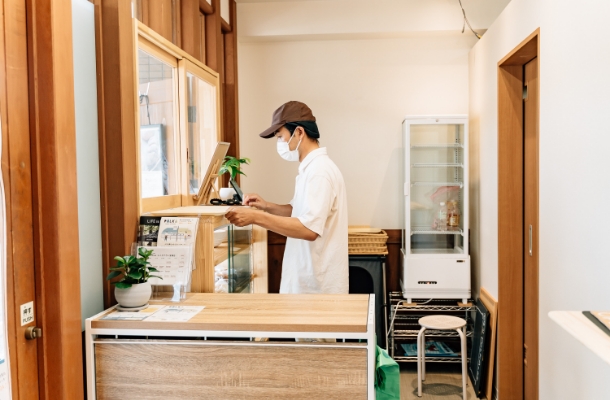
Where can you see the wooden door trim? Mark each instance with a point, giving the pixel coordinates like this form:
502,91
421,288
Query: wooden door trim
17,175
55,201
510,216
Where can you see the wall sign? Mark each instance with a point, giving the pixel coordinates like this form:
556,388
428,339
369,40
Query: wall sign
27,313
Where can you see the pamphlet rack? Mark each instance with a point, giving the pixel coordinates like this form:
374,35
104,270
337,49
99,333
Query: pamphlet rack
405,326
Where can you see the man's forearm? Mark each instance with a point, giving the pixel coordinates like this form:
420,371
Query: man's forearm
282,210
287,226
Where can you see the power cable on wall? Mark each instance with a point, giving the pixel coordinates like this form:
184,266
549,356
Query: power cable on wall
466,22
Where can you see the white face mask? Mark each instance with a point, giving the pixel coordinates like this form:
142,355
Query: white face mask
283,149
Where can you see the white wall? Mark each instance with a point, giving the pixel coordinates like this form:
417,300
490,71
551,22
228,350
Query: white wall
359,90
574,186
87,160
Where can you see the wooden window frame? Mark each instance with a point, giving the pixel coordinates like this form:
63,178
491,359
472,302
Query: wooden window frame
161,48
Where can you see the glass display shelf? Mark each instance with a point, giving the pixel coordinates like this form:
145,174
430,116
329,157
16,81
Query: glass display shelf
438,146
233,259
437,165
422,183
425,230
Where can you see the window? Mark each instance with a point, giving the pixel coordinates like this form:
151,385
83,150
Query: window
179,121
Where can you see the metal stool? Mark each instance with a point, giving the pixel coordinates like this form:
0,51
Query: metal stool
439,322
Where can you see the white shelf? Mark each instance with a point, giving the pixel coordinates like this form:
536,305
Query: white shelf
438,146
424,230
437,165
460,184
585,331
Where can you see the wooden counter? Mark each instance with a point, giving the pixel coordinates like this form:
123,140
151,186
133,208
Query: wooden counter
176,359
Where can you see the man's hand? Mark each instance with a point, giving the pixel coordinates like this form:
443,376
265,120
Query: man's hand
254,200
241,216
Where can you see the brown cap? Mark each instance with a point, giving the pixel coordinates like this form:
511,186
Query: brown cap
293,111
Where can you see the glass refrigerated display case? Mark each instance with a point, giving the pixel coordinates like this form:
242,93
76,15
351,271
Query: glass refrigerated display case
435,243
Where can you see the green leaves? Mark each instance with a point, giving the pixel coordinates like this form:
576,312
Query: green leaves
232,165
133,269
123,285
113,274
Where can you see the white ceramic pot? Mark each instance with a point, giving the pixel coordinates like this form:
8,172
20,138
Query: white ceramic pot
226,193
135,296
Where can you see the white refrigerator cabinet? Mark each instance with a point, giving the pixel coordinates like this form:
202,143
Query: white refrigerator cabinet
435,238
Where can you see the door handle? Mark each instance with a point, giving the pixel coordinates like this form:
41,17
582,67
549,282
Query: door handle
530,240
32,333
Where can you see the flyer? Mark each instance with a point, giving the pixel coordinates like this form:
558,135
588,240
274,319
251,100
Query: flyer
174,264
175,231
175,313
132,315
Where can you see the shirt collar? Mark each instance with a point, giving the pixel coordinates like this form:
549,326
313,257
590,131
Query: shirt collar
309,158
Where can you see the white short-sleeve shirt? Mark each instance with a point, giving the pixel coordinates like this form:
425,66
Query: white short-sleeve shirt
320,203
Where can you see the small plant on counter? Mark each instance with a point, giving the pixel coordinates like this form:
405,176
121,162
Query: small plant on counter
134,269
232,165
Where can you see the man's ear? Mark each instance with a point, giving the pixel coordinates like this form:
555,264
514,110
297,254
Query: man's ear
301,130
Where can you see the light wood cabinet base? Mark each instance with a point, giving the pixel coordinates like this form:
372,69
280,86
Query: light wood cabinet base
190,369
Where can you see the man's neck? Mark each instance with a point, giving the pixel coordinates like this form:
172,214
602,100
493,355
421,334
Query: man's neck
306,148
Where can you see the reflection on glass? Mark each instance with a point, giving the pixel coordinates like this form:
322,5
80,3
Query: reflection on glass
202,129
158,169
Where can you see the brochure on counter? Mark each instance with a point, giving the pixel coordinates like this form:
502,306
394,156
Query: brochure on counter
173,263
156,313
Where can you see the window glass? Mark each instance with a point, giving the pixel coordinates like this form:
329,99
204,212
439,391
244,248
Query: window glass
202,129
158,155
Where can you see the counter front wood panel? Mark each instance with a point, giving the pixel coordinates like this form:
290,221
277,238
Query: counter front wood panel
263,312
257,371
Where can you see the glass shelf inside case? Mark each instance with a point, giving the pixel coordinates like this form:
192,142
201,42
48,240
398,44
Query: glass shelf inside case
233,259
436,163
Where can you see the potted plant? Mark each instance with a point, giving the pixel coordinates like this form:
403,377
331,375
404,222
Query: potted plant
231,165
133,289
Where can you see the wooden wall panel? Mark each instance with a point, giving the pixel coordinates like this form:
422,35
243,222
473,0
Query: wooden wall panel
117,136
160,18
213,38
56,243
276,244
191,28
230,108
258,371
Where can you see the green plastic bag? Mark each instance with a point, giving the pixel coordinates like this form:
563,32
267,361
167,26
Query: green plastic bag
387,376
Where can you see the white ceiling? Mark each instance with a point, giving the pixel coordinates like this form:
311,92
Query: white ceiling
264,20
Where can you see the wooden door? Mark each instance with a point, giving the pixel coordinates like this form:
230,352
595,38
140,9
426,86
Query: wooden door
17,176
530,233
518,103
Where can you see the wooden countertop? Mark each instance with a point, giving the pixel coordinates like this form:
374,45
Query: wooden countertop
584,331
262,312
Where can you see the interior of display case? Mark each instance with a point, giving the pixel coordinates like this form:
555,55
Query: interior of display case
232,259
436,158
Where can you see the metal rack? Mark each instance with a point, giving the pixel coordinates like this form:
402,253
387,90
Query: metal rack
406,327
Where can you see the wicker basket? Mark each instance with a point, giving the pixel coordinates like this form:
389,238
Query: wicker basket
367,249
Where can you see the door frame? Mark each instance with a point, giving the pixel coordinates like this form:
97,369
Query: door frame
510,216
39,170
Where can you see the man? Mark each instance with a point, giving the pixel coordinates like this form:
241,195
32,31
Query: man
315,221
